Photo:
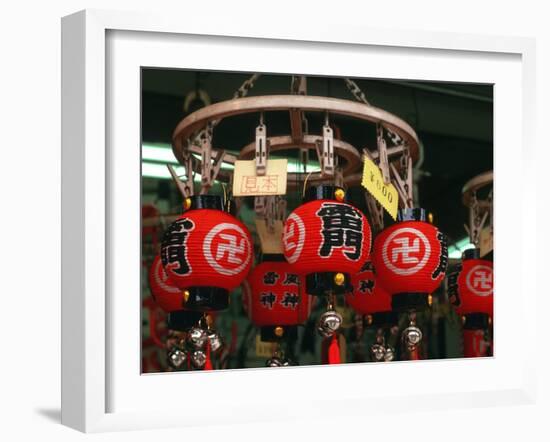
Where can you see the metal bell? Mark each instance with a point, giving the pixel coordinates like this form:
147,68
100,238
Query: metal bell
412,336
274,361
389,354
378,352
198,358
197,338
216,341
329,322
176,358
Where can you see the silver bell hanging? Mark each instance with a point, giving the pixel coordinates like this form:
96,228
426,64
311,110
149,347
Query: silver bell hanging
329,322
177,358
378,351
274,361
198,358
389,354
216,341
197,338
412,336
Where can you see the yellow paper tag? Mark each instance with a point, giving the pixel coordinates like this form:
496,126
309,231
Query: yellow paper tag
270,242
263,349
485,241
385,194
247,183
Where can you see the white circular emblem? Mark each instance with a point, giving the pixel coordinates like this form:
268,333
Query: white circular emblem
479,280
161,277
231,243
293,241
404,252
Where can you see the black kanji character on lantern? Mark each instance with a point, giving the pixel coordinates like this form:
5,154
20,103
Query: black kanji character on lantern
268,299
290,300
366,285
290,279
174,246
342,227
270,278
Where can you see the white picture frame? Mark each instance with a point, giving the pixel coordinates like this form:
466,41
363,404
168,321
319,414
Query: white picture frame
93,326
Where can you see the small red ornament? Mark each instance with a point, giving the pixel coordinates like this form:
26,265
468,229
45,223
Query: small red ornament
272,296
410,259
473,290
326,235
368,297
206,252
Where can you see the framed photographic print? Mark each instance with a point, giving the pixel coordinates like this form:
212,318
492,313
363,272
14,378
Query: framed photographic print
252,218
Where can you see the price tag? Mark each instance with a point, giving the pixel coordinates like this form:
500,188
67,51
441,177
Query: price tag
385,194
247,183
485,241
270,242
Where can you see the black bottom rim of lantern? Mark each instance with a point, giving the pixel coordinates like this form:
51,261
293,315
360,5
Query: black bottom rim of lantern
182,320
204,299
322,283
476,321
206,202
404,302
321,192
384,319
269,333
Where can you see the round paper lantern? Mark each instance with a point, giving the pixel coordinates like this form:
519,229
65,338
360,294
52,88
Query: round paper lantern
327,240
206,253
274,297
410,259
368,297
475,343
471,286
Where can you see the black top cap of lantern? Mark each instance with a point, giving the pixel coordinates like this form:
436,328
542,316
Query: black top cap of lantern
470,254
322,192
415,214
206,202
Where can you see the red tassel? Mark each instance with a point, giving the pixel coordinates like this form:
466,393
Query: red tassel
334,351
208,363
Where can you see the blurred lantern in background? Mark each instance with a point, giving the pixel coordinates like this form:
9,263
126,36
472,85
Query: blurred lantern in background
471,294
275,301
327,240
410,259
371,301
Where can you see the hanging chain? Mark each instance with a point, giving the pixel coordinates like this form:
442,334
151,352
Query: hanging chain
246,86
241,92
356,91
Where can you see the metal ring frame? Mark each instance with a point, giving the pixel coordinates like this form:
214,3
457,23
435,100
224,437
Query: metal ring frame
191,125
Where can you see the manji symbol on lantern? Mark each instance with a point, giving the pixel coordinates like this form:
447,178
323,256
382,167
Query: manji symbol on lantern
471,293
410,260
274,302
206,253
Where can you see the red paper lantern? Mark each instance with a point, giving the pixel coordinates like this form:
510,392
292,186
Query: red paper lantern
471,288
410,259
368,297
206,253
326,235
272,296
